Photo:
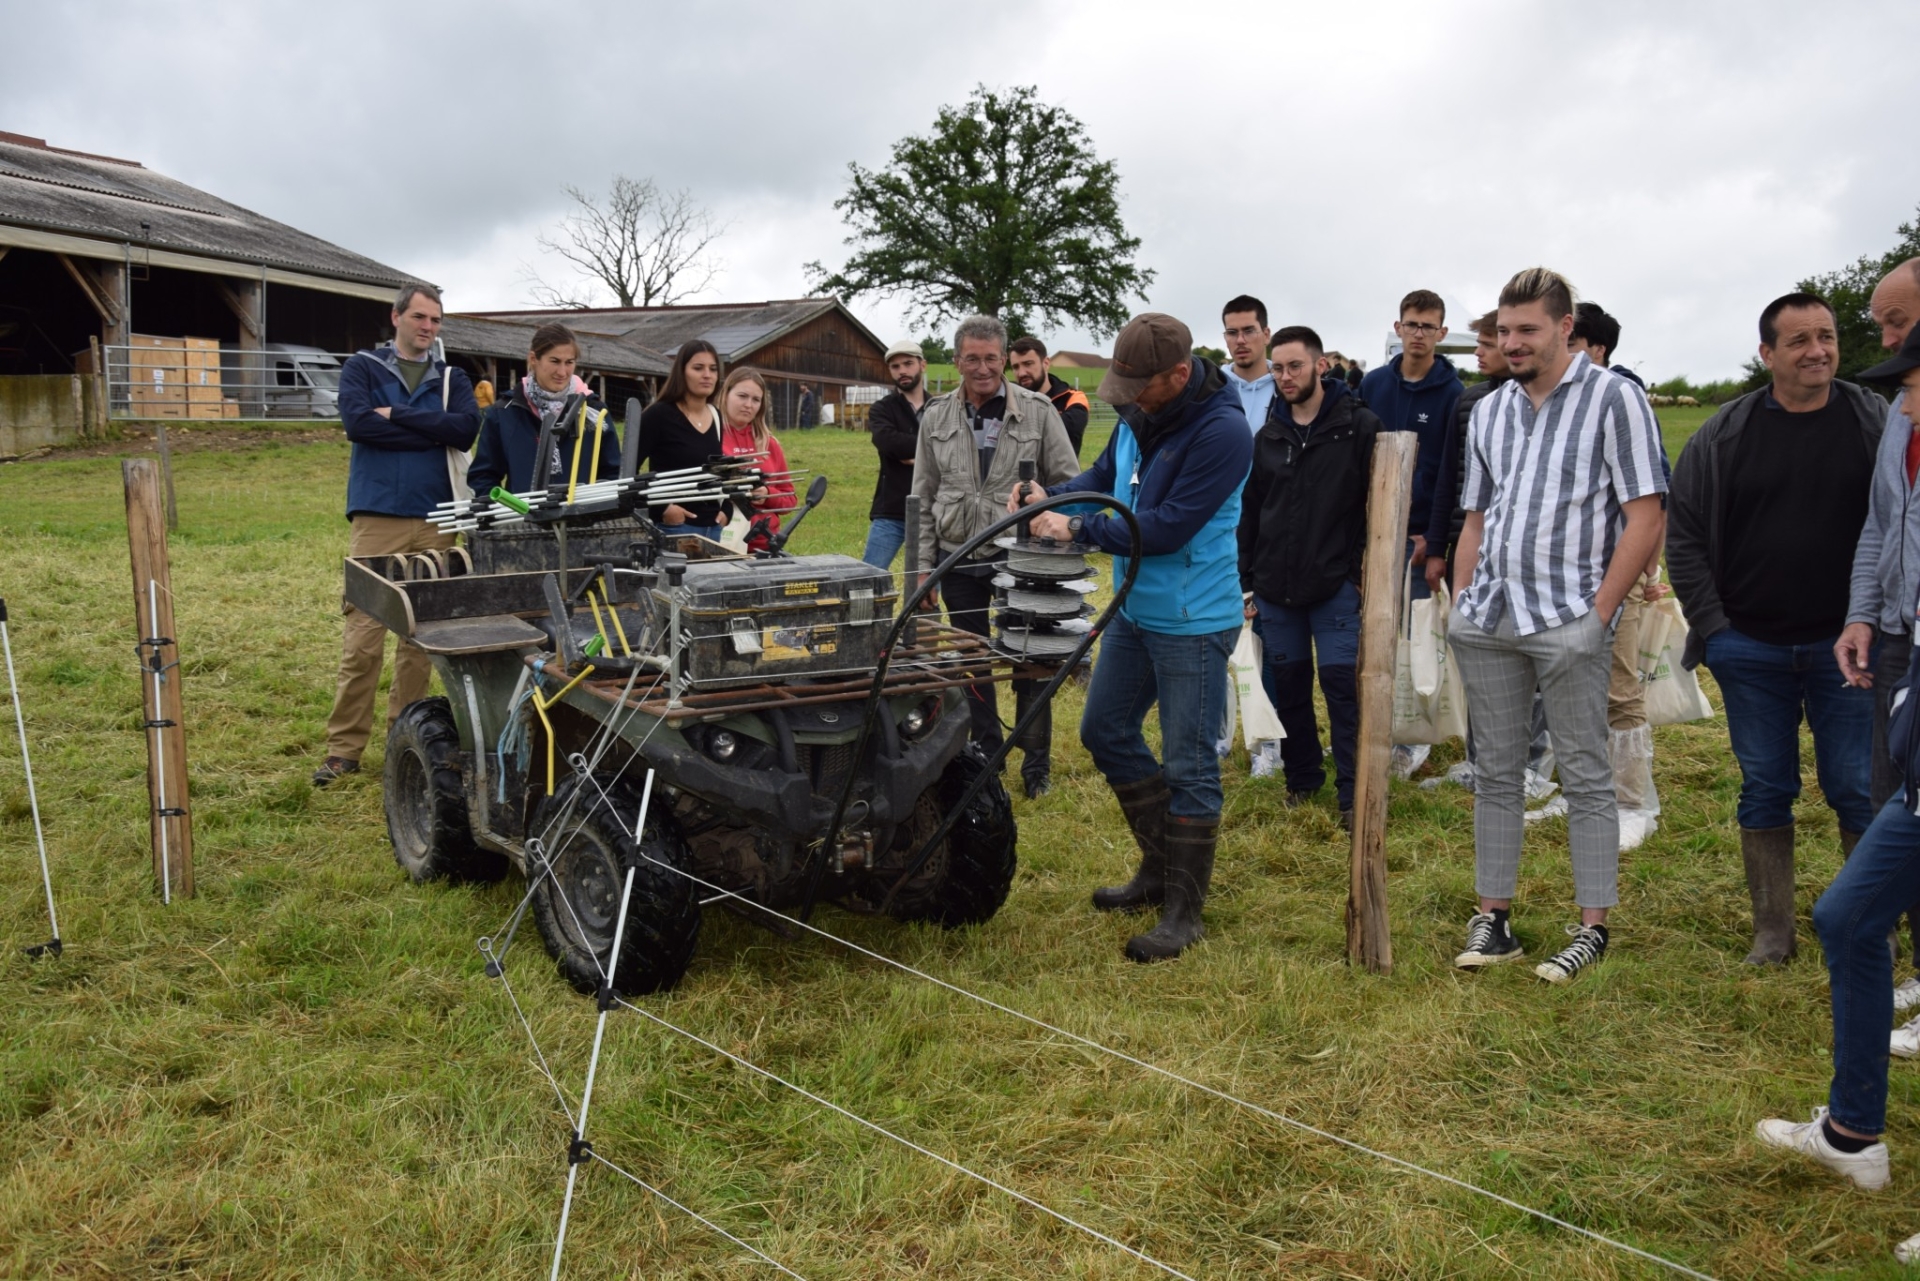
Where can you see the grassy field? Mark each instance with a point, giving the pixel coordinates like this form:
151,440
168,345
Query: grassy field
303,1072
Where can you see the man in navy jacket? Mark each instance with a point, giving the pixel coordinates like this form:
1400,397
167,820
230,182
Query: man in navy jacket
1179,459
1417,391
407,412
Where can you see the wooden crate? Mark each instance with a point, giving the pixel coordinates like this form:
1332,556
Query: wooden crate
202,377
156,377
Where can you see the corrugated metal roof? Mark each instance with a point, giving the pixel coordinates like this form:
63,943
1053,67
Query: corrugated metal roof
510,340
733,328
98,197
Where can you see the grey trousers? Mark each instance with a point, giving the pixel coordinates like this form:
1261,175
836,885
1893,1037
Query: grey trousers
1570,666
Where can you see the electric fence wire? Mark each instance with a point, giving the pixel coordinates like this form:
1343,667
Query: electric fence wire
905,1142
33,797
1188,1082
697,1217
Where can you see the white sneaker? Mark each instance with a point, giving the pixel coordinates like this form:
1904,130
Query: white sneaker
1905,1041
1867,1168
1540,786
1407,759
1265,760
1555,808
1906,996
1635,827
1908,1251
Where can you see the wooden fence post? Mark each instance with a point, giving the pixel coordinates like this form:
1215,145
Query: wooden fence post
171,823
1369,942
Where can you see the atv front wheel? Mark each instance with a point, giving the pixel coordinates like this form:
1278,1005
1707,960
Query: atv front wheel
965,882
425,801
587,850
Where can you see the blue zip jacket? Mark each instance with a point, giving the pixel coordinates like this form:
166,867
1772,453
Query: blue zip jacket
1185,492
1424,408
399,465
511,432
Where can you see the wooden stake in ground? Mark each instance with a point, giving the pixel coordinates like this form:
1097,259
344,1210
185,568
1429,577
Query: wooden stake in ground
166,478
1368,941
159,649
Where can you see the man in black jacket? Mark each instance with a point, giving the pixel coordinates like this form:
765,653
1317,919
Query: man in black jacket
1303,529
1027,357
1767,505
894,424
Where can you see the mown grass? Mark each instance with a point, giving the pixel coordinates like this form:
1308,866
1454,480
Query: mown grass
303,1072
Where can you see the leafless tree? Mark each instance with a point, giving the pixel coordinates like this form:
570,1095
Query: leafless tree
645,246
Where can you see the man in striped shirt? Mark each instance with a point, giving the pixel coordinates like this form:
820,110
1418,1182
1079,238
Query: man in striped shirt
1562,500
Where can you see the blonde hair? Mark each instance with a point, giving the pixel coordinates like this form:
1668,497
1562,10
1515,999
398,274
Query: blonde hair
745,374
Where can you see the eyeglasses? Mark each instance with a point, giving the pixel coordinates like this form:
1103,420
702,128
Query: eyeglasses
980,362
1420,327
1251,331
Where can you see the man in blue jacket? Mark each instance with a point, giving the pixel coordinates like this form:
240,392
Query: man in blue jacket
407,413
1179,457
1417,391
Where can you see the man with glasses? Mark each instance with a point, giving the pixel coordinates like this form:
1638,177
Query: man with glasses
1245,321
1417,391
403,408
971,444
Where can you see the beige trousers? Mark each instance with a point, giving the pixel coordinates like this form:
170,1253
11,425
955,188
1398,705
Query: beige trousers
363,646
1626,696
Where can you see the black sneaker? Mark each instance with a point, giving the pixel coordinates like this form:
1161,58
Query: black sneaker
1037,786
1296,799
1490,941
1589,945
334,767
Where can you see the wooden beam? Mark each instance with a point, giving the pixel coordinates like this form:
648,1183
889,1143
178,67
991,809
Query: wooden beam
109,311
246,311
170,822
1369,941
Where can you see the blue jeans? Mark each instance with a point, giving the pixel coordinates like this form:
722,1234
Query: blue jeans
1879,882
1291,636
705,531
1187,676
1766,689
885,538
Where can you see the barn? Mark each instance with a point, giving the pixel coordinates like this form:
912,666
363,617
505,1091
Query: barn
795,342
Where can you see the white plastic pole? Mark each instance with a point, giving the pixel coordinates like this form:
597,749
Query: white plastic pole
33,799
159,739
593,1066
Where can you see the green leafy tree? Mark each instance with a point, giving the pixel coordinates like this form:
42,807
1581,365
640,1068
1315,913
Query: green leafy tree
1003,209
1850,289
936,350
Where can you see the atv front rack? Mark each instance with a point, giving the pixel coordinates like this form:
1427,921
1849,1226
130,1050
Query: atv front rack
938,657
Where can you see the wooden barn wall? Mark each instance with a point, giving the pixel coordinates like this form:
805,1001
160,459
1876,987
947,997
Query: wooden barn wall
826,347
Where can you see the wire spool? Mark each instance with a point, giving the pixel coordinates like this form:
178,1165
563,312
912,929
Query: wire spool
1047,603
1050,642
1043,558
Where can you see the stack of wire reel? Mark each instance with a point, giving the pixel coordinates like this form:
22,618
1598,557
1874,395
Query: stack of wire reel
1042,599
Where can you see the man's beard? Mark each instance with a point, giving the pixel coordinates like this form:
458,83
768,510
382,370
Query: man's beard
907,384
1039,386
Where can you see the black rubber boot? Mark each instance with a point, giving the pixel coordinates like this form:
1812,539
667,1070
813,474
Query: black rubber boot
1768,855
1190,847
1036,766
1145,804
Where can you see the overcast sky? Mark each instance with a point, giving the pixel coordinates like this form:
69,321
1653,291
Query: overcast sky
1681,163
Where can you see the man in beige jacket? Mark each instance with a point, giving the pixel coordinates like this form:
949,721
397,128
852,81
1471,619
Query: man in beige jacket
972,442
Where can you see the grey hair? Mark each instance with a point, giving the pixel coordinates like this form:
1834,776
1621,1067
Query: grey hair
981,329
412,287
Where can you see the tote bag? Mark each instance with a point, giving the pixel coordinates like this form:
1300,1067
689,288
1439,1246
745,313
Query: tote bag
1429,703
1673,693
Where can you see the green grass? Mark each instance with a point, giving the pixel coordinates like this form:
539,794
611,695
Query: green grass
302,1072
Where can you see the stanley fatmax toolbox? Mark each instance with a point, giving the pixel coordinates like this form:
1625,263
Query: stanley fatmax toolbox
744,621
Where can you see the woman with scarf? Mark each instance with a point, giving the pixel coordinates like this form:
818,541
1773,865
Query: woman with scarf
510,432
743,402
682,429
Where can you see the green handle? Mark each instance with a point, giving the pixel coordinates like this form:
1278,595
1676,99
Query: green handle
506,499
593,647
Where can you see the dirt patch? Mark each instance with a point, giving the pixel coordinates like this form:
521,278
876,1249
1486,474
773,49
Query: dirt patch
188,440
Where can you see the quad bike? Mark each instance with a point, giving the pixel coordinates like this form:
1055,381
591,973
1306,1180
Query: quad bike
762,732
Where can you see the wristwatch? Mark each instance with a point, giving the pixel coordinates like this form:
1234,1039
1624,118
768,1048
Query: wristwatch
1073,527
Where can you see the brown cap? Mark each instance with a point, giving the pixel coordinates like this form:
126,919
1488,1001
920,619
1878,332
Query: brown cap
1152,343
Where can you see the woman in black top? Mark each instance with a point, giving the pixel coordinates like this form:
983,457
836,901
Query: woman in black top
510,432
682,429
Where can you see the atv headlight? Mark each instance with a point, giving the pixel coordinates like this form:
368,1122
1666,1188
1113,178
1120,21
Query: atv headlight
722,745
914,721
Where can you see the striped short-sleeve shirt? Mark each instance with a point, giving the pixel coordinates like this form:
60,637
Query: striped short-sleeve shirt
1550,484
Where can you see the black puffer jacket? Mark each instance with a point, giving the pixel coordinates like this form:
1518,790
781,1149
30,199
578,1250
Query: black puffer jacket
1447,519
1303,518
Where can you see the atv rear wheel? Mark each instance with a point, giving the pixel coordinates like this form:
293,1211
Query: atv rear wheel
586,846
966,879
425,800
